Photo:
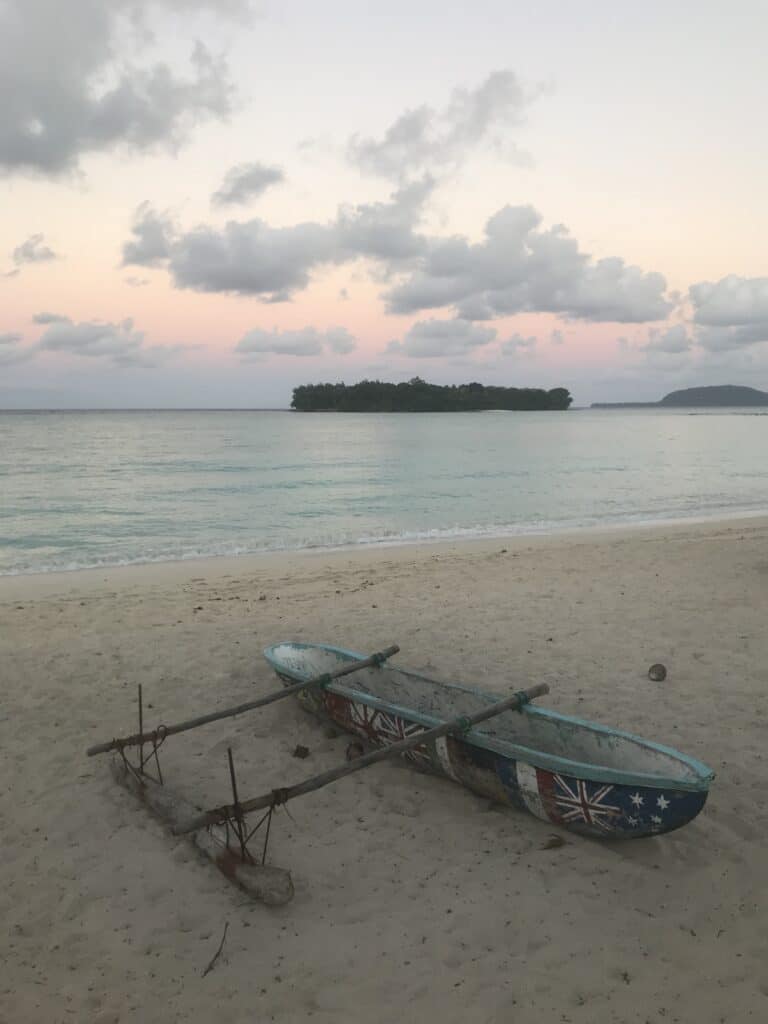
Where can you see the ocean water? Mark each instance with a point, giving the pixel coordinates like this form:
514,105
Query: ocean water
87,489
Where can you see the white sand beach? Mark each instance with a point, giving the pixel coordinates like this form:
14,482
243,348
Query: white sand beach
415,900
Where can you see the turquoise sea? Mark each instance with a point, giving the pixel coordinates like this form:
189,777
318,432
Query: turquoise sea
84,489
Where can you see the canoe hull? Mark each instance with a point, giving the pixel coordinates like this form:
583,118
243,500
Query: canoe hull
589,807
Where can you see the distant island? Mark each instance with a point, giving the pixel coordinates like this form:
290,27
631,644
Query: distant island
728,396
416,395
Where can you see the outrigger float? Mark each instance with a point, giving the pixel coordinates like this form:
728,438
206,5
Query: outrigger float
584,777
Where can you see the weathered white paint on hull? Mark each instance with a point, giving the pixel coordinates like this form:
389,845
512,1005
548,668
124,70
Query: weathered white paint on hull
529,789
441,749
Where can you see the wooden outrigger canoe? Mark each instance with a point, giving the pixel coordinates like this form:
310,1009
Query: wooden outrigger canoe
585,777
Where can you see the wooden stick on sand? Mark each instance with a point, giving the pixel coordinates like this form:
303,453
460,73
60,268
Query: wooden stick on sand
263,882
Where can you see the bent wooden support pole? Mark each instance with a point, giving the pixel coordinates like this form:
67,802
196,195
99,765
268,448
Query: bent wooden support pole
270,885
280,796
159,734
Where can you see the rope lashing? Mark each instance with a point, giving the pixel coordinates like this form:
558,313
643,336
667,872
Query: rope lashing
522,699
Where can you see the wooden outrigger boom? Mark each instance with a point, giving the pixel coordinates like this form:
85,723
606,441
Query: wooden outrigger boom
230,812
158,735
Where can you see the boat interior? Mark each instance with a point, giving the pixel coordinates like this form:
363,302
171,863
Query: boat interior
536,730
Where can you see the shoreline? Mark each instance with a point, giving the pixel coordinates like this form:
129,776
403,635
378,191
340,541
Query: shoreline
251,561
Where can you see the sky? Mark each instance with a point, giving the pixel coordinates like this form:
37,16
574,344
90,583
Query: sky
206,203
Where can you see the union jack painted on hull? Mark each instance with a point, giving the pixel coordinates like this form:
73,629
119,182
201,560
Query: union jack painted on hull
374,725
658,790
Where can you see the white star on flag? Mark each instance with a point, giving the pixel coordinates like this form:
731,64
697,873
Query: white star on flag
662,802
636,799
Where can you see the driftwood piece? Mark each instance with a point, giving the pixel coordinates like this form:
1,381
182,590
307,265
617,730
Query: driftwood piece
263,882
280,796
217,954
159,734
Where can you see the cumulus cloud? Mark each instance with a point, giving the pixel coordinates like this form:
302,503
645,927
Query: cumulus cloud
384,231
731,313
307,341
153,234
49,318
727,339
520,268
9,349
34,250
517,344
426,138
117,342
253,258
69,87
672,341
340,341
433,338
731,301
245,182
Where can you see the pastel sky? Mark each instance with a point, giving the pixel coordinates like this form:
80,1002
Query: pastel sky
209,202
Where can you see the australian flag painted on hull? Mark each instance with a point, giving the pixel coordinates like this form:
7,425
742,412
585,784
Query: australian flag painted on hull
602,810
592,808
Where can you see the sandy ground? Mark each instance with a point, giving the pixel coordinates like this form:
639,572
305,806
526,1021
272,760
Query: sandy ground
415,900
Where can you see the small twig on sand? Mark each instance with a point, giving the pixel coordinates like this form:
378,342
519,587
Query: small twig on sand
217,954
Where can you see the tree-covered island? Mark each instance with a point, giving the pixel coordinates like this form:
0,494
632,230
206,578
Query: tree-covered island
416,395
724,396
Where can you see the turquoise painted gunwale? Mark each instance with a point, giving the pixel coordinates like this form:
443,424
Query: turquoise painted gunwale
514,751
